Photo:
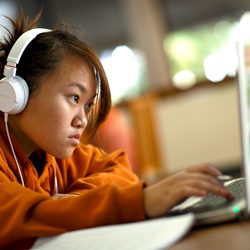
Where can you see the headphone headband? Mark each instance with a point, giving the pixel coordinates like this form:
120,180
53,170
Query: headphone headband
14,91
18,48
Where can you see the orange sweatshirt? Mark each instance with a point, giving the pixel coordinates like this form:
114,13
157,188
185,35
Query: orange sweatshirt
107,193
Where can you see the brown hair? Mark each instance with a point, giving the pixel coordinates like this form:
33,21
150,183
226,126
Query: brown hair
44,54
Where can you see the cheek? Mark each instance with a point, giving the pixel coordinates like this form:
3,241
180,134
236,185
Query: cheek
58,121
45,120
55,113
51,117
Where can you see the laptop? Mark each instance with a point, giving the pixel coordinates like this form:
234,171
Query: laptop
213,209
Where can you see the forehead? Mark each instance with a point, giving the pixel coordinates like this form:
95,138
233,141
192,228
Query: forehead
73,70
71,65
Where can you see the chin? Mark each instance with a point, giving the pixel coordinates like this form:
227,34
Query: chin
64,155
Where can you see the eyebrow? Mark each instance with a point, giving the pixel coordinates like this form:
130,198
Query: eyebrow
81,87
78,85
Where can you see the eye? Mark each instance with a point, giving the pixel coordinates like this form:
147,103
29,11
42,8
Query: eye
89,106
75,98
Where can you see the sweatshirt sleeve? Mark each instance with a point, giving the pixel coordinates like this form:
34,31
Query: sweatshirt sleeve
91,168
107,191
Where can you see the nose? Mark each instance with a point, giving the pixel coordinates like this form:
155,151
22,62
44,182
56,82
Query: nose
80,120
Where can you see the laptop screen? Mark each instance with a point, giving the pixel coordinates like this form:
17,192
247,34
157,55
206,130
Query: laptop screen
243,49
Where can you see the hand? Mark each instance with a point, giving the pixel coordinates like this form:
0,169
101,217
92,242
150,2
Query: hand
195,181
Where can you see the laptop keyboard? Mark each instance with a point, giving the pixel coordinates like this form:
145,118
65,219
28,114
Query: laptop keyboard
213,202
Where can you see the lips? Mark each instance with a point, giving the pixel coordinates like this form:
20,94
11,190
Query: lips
75,139
76,136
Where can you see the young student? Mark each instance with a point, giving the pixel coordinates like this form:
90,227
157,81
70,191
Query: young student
53,89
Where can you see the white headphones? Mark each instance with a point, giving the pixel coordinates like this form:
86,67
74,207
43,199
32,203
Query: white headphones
14,91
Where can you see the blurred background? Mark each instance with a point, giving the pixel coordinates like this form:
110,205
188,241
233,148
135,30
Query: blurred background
172,69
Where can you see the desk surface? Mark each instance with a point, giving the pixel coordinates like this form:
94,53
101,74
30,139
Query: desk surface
230,236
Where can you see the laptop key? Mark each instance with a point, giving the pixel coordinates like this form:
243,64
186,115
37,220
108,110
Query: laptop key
212,202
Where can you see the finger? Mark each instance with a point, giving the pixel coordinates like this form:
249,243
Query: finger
199,176
206,169
208,186
190,190
180,194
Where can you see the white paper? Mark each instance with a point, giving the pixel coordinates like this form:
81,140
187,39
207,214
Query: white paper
147,235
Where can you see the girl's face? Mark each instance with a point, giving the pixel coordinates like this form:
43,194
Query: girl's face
57,112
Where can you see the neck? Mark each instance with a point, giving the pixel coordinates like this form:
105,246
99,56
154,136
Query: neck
25,143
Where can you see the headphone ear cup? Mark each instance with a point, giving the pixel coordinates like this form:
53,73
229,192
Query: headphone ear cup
14,94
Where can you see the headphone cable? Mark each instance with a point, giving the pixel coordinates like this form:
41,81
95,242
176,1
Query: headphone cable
12,148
